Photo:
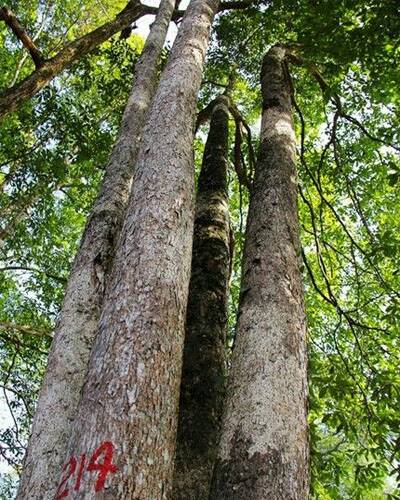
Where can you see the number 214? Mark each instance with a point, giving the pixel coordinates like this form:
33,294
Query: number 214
100,461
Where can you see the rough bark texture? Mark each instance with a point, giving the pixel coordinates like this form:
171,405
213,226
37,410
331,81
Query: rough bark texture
263,452
204,359
127,416
77,325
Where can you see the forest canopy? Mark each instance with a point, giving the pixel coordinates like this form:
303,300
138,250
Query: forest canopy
343,63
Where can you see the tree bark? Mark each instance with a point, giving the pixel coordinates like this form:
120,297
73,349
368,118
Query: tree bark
125,430
263,453
204,359
77,325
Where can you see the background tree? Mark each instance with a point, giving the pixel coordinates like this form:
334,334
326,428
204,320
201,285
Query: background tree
204,357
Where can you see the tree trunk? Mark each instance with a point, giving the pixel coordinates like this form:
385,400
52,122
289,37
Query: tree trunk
203,374
77,325
263,452
123,442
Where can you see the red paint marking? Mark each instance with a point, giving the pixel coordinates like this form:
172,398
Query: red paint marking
72,466
80,472
105,467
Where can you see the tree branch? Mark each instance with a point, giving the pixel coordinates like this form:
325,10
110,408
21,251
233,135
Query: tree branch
240,168
211,82
252,157
326,89
235,5
20,32
13,97
21,92
60,279
4,325
16,341
204,115
19,396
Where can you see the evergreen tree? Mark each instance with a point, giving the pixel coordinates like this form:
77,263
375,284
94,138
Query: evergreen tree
56,137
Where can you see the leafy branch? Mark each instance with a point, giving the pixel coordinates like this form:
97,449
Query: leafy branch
47,69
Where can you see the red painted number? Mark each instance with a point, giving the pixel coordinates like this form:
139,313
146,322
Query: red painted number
80,472
100,461
71,466
105,467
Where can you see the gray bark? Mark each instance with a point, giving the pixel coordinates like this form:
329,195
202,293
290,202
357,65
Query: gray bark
128,410
263,453
204,359
77,324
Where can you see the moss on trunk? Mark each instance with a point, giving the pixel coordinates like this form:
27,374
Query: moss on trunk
203,376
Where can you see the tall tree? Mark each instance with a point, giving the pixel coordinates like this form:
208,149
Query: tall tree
263,451
77,325
204,359
127,416
52,152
